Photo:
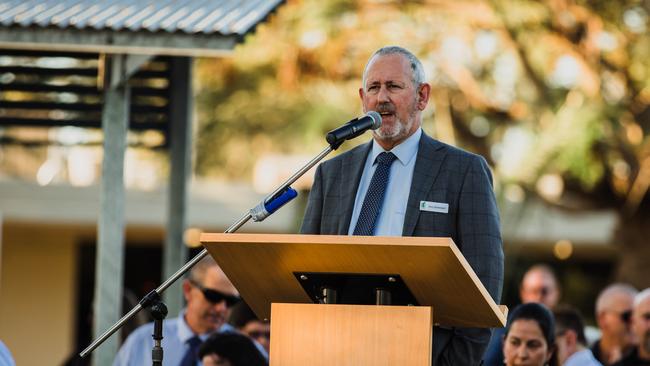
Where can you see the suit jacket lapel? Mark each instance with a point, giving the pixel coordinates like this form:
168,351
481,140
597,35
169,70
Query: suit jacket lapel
351,170
426,170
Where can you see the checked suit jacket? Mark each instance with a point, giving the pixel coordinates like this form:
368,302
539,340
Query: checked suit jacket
442,174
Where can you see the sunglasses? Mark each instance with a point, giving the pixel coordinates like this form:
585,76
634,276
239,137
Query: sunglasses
626,316
259,334
215,296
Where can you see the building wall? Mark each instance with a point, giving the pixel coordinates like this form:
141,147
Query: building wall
37,292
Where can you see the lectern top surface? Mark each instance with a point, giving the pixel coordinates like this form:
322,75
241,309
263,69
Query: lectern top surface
262,267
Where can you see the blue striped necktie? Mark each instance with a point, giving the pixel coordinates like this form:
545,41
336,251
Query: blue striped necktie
375,196
191,357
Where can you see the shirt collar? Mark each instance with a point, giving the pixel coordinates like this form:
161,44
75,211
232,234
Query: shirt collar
404,152
184,330
185,333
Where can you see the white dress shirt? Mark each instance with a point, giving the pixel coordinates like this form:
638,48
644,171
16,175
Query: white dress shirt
582,358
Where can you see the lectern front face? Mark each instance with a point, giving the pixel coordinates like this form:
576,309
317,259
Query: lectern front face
350,335
263,267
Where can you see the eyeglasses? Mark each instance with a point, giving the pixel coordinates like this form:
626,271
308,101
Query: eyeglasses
259,334
625,316
215,296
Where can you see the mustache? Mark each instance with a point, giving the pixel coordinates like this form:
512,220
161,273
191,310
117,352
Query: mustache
386,108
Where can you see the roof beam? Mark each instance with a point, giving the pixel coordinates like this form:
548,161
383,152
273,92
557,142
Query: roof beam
117,42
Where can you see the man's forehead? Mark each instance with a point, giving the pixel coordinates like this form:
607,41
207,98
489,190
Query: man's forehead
216,279
393,67
538,278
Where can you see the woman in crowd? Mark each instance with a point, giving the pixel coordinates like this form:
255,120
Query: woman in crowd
530,337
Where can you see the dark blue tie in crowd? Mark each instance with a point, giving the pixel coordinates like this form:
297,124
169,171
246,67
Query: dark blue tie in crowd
375,196
191,357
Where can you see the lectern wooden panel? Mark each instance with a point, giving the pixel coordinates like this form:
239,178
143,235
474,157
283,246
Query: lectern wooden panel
350,335
261,266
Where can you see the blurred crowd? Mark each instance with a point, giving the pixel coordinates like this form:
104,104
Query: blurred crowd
545,331
216,328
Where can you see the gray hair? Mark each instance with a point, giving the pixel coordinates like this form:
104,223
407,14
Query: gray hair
418,76
197,273
641,296
603,302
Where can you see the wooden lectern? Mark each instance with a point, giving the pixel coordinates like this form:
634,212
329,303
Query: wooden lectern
275,273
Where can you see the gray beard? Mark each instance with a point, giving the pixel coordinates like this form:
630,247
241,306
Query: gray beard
397,130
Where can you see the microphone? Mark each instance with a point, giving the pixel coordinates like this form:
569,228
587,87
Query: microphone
354,128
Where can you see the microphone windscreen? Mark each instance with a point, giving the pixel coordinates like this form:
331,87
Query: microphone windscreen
376,118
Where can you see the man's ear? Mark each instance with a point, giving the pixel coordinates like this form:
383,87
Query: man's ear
571,337
187,288
424,90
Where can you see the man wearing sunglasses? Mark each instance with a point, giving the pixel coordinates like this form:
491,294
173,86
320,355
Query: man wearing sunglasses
209,295
640,355
613,311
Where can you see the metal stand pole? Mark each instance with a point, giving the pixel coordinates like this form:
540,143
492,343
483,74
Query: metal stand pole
159,312
382,297
329,295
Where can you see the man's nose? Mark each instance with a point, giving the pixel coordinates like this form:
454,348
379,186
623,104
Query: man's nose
383,96
221,305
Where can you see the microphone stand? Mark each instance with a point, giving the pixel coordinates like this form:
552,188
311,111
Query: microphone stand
283,194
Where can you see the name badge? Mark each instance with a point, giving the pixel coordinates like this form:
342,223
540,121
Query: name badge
434,207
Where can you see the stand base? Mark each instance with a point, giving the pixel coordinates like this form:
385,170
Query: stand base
342,335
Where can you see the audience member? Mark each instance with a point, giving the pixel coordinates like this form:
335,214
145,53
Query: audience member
613,312
530,337
570,338
539,285
640,355
209,295
243,318
230,349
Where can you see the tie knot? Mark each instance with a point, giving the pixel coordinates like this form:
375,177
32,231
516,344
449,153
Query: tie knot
194,341
386,158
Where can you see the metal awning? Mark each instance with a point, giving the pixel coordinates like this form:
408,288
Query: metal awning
161,27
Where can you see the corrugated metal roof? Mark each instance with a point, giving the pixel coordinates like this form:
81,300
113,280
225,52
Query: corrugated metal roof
225,17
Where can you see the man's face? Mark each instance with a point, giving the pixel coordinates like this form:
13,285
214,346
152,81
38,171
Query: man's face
539,287
204,315
641,326
566,343
614,320
389,90
259,331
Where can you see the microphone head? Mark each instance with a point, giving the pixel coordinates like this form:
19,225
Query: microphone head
376,119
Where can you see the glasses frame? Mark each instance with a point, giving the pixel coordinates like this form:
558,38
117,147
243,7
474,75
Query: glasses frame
215,296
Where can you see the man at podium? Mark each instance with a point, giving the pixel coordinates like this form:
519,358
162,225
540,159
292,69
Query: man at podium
365,191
